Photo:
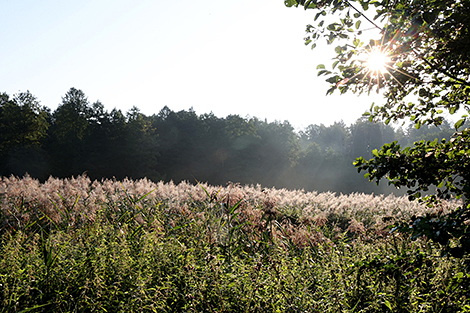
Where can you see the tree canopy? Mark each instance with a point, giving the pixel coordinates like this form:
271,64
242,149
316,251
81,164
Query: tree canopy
83,137
425,46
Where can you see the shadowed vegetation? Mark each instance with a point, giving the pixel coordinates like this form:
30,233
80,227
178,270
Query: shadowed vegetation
78,245
80,137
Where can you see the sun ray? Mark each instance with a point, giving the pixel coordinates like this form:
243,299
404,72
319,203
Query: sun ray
377,61
378,66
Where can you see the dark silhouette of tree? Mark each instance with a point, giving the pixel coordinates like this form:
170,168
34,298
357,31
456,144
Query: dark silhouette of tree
325,162
180,135
239,150
140,146
335,137
427,133
69,131
216,147
277,152
367,136
23,127
79,137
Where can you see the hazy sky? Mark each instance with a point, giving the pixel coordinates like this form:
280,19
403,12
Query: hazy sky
229,57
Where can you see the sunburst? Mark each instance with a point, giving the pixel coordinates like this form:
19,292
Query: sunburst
377,61
377,65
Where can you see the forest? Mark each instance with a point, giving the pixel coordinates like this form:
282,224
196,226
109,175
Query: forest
84,138
179,212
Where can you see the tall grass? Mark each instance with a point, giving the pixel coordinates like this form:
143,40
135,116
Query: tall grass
135,246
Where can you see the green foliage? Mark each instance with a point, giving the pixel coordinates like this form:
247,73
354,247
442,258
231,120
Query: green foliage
22,121
138,251
23,129
83,137
428,45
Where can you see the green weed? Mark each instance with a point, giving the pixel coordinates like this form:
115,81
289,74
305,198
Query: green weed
120,247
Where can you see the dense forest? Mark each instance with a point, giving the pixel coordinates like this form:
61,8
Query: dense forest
80,137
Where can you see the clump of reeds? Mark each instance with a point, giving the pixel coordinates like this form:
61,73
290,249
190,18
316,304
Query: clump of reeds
76,201
124,246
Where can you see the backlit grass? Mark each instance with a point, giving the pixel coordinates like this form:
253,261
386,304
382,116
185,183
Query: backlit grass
136,246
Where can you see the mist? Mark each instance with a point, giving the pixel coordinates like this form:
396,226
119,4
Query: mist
80,138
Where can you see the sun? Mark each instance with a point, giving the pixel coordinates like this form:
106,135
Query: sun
376,67
376,61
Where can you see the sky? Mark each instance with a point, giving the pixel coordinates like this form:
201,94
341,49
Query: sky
226,57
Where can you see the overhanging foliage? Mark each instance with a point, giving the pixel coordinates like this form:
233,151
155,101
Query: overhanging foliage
427,43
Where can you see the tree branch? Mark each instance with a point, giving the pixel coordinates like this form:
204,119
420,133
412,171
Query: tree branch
434,67
368,19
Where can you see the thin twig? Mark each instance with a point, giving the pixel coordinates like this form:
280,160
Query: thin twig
368,19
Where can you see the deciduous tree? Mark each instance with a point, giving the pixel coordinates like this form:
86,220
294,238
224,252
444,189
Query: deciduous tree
23,127
419,59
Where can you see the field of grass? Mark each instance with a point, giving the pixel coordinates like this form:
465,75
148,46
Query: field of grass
135,246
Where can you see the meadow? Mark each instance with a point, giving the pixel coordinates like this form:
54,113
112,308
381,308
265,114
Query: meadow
76,245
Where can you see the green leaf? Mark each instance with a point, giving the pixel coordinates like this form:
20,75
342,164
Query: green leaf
144,196
358,24
332,27
334,79
459,123
290,3
318,15
207,192
309,4
320,66
335,63
33,308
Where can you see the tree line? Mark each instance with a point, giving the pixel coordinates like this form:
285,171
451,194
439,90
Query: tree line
80,137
